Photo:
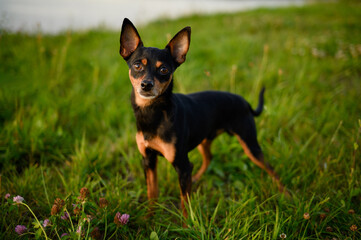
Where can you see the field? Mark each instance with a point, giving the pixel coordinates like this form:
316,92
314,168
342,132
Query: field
66,123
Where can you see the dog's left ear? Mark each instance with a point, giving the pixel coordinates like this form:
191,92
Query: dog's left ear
179,45
129,39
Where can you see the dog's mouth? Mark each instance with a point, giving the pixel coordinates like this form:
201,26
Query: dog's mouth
146,95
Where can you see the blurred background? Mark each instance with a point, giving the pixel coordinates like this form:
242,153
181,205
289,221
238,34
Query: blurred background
54,16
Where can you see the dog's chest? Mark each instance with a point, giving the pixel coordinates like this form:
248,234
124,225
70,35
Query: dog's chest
167,149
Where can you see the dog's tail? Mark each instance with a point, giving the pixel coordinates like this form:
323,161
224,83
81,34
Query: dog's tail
259,109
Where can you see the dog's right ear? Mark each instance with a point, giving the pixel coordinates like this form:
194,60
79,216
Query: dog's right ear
129,39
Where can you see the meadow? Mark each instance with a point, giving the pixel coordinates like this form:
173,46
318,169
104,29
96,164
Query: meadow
66,124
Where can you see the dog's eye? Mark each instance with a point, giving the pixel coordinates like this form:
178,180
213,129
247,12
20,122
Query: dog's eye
163,70
137,66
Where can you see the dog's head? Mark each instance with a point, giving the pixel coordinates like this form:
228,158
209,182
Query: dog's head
151,69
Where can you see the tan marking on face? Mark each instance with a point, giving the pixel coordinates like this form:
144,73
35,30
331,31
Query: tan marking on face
158,64
162,86
144,61
141,102
166,149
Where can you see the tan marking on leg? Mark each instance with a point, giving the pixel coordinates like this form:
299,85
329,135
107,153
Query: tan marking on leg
152,183
184,200
260,163
205,150
151,175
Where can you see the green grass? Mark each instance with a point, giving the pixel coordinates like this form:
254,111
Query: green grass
66,123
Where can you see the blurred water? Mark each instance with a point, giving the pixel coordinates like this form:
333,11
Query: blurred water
53,16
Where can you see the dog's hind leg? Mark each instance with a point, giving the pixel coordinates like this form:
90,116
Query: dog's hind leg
205,149
247,137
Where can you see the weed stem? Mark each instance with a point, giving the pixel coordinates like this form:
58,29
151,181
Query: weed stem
106,224
113,233
37,220
56,232
71,222
45,190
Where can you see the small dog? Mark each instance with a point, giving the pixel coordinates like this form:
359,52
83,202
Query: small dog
170,124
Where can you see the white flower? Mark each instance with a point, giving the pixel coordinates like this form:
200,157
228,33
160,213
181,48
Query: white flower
18,199
283,235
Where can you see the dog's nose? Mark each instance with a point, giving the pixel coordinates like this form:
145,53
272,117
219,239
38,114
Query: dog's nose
146,85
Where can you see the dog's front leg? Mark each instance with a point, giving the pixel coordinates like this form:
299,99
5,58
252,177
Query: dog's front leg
150,172
184,169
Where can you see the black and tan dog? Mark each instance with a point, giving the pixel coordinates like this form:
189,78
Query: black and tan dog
171,124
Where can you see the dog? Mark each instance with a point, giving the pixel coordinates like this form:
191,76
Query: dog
170,124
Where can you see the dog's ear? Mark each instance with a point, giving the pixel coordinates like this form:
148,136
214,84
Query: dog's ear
179,45
129,39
